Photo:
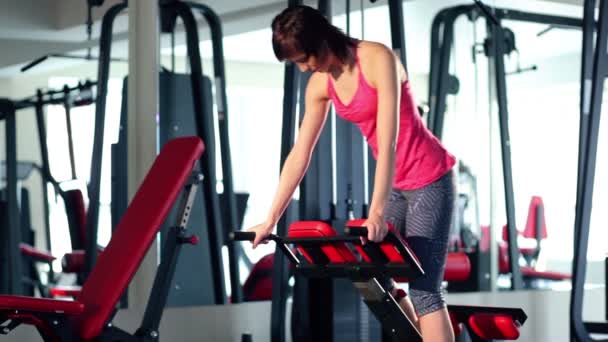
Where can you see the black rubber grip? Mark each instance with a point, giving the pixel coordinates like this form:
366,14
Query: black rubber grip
242,236
355,231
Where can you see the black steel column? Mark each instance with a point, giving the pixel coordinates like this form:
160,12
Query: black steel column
205,130
395,11
311,319
435,49
440,94
228,200
103,74
586,83
505,143
11,268
176,237
46,169
67,105
579,332
280,272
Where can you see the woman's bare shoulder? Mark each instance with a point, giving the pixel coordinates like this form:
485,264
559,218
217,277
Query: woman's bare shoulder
373,53
317,85
372,49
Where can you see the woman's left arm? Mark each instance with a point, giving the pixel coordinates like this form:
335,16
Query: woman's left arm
385,77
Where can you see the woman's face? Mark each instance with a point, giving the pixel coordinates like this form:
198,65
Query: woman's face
310,63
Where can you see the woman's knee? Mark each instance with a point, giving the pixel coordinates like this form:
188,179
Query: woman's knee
426,302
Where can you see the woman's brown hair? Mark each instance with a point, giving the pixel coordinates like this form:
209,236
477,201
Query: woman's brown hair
303,29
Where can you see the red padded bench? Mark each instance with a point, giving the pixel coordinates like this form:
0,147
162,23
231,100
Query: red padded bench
527,272
327,254
535,231
89,317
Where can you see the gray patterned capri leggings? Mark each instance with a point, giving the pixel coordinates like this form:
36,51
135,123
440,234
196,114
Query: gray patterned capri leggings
423,216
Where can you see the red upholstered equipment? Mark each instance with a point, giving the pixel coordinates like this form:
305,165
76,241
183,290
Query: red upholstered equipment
522,250
536,202
389,250
526,271
35,254
21,303
135,232
456,325
331,255
535,209
484,243
338,252
457,267
73,262
65,291
529,272
492,326
130,241
503,259
258,285
77,209
486,322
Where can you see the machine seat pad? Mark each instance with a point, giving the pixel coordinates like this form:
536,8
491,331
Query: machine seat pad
494,326
42,305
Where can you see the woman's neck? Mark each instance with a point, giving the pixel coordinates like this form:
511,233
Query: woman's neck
338,67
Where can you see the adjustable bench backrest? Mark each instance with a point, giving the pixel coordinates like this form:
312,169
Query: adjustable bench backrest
536,227
135,232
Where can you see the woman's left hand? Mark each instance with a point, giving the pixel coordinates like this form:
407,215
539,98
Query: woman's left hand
376,228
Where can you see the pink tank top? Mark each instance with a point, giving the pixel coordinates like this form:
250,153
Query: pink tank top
420,158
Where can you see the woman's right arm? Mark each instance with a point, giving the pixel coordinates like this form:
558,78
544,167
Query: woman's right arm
296,164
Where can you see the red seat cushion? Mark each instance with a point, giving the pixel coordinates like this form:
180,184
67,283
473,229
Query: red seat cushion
548,275
494,326
457,267
21,303
258,285
526,271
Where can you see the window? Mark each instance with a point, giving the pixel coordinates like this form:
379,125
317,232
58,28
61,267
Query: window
83,120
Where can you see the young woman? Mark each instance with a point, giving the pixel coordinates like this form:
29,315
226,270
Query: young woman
413,185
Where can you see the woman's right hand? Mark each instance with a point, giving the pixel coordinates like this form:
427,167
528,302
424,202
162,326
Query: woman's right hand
262,231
